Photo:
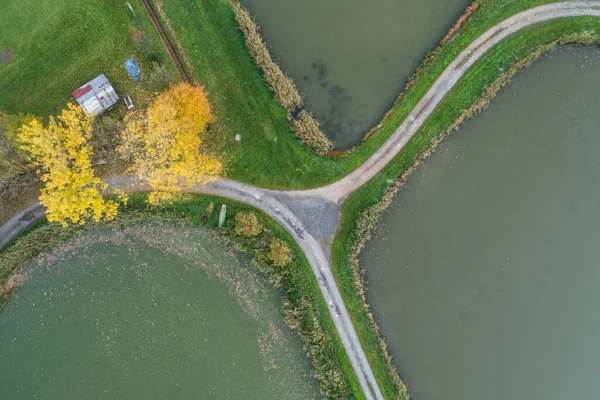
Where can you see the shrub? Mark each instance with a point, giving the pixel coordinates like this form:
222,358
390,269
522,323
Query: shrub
208,211
141,42
160,79
247,224
280,253
12,160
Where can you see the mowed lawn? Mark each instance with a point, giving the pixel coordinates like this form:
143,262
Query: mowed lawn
61,44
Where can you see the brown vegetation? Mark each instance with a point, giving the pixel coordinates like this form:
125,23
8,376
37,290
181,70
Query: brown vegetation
12,160
308,130
283,87
280,253
13,282
461,21
247,224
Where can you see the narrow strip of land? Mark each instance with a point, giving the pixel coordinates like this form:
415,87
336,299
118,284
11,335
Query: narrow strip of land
293,209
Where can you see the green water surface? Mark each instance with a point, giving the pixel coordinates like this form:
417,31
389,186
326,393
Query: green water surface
351,58
149,312
485,272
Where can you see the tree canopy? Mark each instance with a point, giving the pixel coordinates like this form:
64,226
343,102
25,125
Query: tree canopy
164,143
61,154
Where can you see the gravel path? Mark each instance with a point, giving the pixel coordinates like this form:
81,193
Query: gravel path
310,216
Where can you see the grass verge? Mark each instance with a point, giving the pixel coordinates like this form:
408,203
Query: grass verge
304,308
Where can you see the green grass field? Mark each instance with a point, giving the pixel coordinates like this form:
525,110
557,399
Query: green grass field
59,45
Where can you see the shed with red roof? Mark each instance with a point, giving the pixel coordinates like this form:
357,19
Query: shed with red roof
96,96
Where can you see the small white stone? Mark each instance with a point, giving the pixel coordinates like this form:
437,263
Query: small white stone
238,138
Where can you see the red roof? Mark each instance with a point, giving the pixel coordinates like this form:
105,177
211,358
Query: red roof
81,91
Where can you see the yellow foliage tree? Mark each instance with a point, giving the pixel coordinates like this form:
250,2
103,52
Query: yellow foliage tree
12,161
164,145
247,224
280,253
61,154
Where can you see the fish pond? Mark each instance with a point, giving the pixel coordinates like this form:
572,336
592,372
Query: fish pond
351,58
484,274
149,312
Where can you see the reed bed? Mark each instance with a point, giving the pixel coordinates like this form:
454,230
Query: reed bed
306,127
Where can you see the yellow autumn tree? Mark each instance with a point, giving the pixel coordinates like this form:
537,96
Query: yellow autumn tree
61,154
164,143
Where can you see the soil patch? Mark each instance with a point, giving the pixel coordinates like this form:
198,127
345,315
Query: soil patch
6,56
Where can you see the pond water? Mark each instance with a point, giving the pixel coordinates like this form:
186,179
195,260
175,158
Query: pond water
135,314
484,274
351,58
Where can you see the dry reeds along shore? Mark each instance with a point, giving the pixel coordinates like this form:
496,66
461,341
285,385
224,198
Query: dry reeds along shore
306,127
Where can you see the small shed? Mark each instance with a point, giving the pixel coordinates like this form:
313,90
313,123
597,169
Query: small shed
96,96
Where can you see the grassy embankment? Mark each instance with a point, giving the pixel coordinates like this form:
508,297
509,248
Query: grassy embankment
304,308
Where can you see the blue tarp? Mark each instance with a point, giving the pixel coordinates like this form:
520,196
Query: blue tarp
133,69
